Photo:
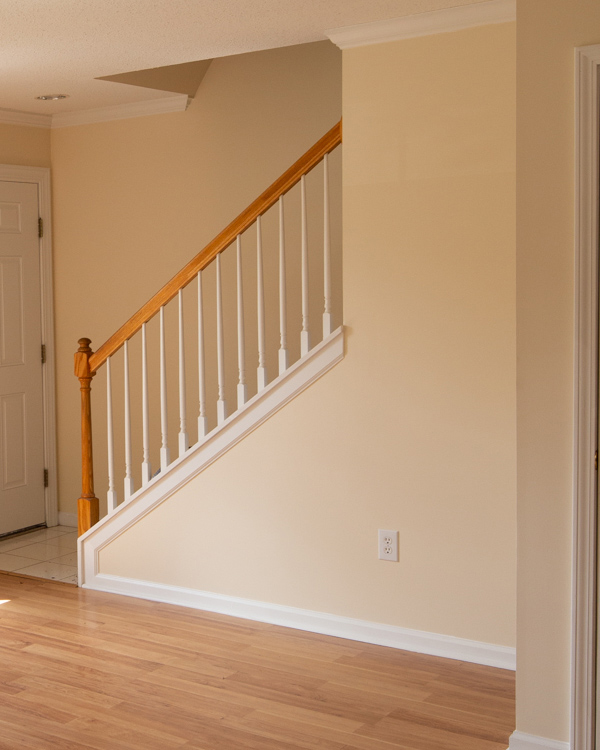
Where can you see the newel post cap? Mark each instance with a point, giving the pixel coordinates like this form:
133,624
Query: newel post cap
82,357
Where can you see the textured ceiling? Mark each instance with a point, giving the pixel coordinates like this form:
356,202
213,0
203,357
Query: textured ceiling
62,46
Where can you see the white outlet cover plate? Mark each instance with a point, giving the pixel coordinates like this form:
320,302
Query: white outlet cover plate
388,545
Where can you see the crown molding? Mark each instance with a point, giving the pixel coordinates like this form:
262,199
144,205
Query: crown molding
12,117
177,103
424,24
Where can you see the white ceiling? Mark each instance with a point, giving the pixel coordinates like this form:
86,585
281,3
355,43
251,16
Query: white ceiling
62,46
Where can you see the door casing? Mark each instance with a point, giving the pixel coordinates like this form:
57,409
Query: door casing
585,443
41,177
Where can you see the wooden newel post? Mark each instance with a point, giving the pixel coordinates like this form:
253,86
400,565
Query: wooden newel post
88,512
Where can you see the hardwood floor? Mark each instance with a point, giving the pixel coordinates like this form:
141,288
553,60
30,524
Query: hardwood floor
80,669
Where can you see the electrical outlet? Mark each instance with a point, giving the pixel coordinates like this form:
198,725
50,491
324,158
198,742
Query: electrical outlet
388,545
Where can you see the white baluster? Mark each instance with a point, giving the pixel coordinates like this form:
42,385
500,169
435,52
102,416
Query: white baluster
221,405
164,446
262,369
242,388
128,483
146,469
202,420
304,334
183,438
283,352
326,250
111,495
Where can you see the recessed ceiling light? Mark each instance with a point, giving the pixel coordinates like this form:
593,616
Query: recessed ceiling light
52,97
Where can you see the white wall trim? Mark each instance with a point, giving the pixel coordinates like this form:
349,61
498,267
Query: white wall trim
164,105
241,423
585,439
12,117
282,390
522,741
41,177
424,24
67,519
364,631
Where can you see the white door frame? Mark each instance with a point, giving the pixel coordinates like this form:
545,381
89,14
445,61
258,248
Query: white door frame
587,216
41,177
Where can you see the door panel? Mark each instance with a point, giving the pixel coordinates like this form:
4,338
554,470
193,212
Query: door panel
14,448
12,345
21,405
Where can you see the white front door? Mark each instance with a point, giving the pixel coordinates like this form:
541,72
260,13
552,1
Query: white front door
22,502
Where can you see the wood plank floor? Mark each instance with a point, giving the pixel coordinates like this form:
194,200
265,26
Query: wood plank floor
81,669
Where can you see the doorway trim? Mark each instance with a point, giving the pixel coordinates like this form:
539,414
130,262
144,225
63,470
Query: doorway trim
587,217
41,177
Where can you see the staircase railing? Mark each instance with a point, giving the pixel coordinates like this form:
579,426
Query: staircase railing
88,363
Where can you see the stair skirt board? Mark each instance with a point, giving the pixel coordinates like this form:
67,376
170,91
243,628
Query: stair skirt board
364,631
257,410
521,741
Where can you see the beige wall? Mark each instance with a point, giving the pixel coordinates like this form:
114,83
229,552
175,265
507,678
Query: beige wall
135,200
415,429
548,32
25,146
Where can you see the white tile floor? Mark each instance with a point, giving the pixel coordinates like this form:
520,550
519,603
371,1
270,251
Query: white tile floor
44,553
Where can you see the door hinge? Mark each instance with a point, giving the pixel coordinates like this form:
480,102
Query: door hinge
596,460
43,354
40,227
45,477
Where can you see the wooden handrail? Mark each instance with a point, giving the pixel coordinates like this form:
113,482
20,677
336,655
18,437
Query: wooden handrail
270,196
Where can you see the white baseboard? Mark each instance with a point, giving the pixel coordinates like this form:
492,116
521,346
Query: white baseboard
67,519
522,741
418,641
